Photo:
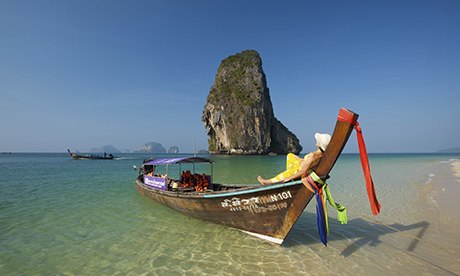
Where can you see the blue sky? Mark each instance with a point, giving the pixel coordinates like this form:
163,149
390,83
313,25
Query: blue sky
84,74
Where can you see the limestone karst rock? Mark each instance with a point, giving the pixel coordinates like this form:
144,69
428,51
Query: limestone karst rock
238,114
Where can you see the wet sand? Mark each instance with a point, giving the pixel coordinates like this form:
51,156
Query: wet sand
456,169
446,192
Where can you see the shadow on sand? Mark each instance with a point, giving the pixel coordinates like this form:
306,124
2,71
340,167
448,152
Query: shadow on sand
362,231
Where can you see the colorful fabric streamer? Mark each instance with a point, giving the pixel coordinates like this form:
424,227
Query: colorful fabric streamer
320,212
313,182
375,205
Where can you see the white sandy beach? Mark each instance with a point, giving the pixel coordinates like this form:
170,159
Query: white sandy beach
456,170
446,191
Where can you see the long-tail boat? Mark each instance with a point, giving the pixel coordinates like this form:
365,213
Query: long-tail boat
77,156
266,211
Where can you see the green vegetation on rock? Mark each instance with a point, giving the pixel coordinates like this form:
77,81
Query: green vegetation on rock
238,114
237,78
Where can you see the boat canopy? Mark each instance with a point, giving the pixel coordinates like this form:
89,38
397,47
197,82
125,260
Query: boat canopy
179,160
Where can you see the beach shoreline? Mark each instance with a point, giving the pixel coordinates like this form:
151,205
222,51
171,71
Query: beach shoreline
445,192
456,169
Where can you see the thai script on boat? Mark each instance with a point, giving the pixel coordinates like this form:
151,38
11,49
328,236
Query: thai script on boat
234,202
257,204
155,182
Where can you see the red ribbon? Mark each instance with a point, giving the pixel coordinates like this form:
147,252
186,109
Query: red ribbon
375,205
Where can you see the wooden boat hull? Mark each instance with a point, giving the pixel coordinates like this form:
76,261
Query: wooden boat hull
76,156
83,157
265,211
269,211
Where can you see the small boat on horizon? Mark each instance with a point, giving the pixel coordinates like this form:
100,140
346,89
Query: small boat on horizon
77,156
265,211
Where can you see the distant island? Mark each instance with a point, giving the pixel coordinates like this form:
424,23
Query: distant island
173,149
150,147
450,150
108,149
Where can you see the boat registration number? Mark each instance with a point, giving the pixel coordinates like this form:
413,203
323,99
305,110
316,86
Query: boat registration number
257,204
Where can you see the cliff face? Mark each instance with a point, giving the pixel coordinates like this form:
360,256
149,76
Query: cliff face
238,114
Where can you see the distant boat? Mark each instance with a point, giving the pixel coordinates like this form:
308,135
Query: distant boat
90,156
265,211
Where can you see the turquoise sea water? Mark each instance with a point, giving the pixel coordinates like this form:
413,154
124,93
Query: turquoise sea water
83,217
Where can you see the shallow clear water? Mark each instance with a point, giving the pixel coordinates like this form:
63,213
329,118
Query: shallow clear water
63,216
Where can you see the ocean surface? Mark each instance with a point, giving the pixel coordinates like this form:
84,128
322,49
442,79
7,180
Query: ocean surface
85,217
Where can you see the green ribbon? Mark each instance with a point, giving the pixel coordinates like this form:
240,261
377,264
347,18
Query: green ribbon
341,210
